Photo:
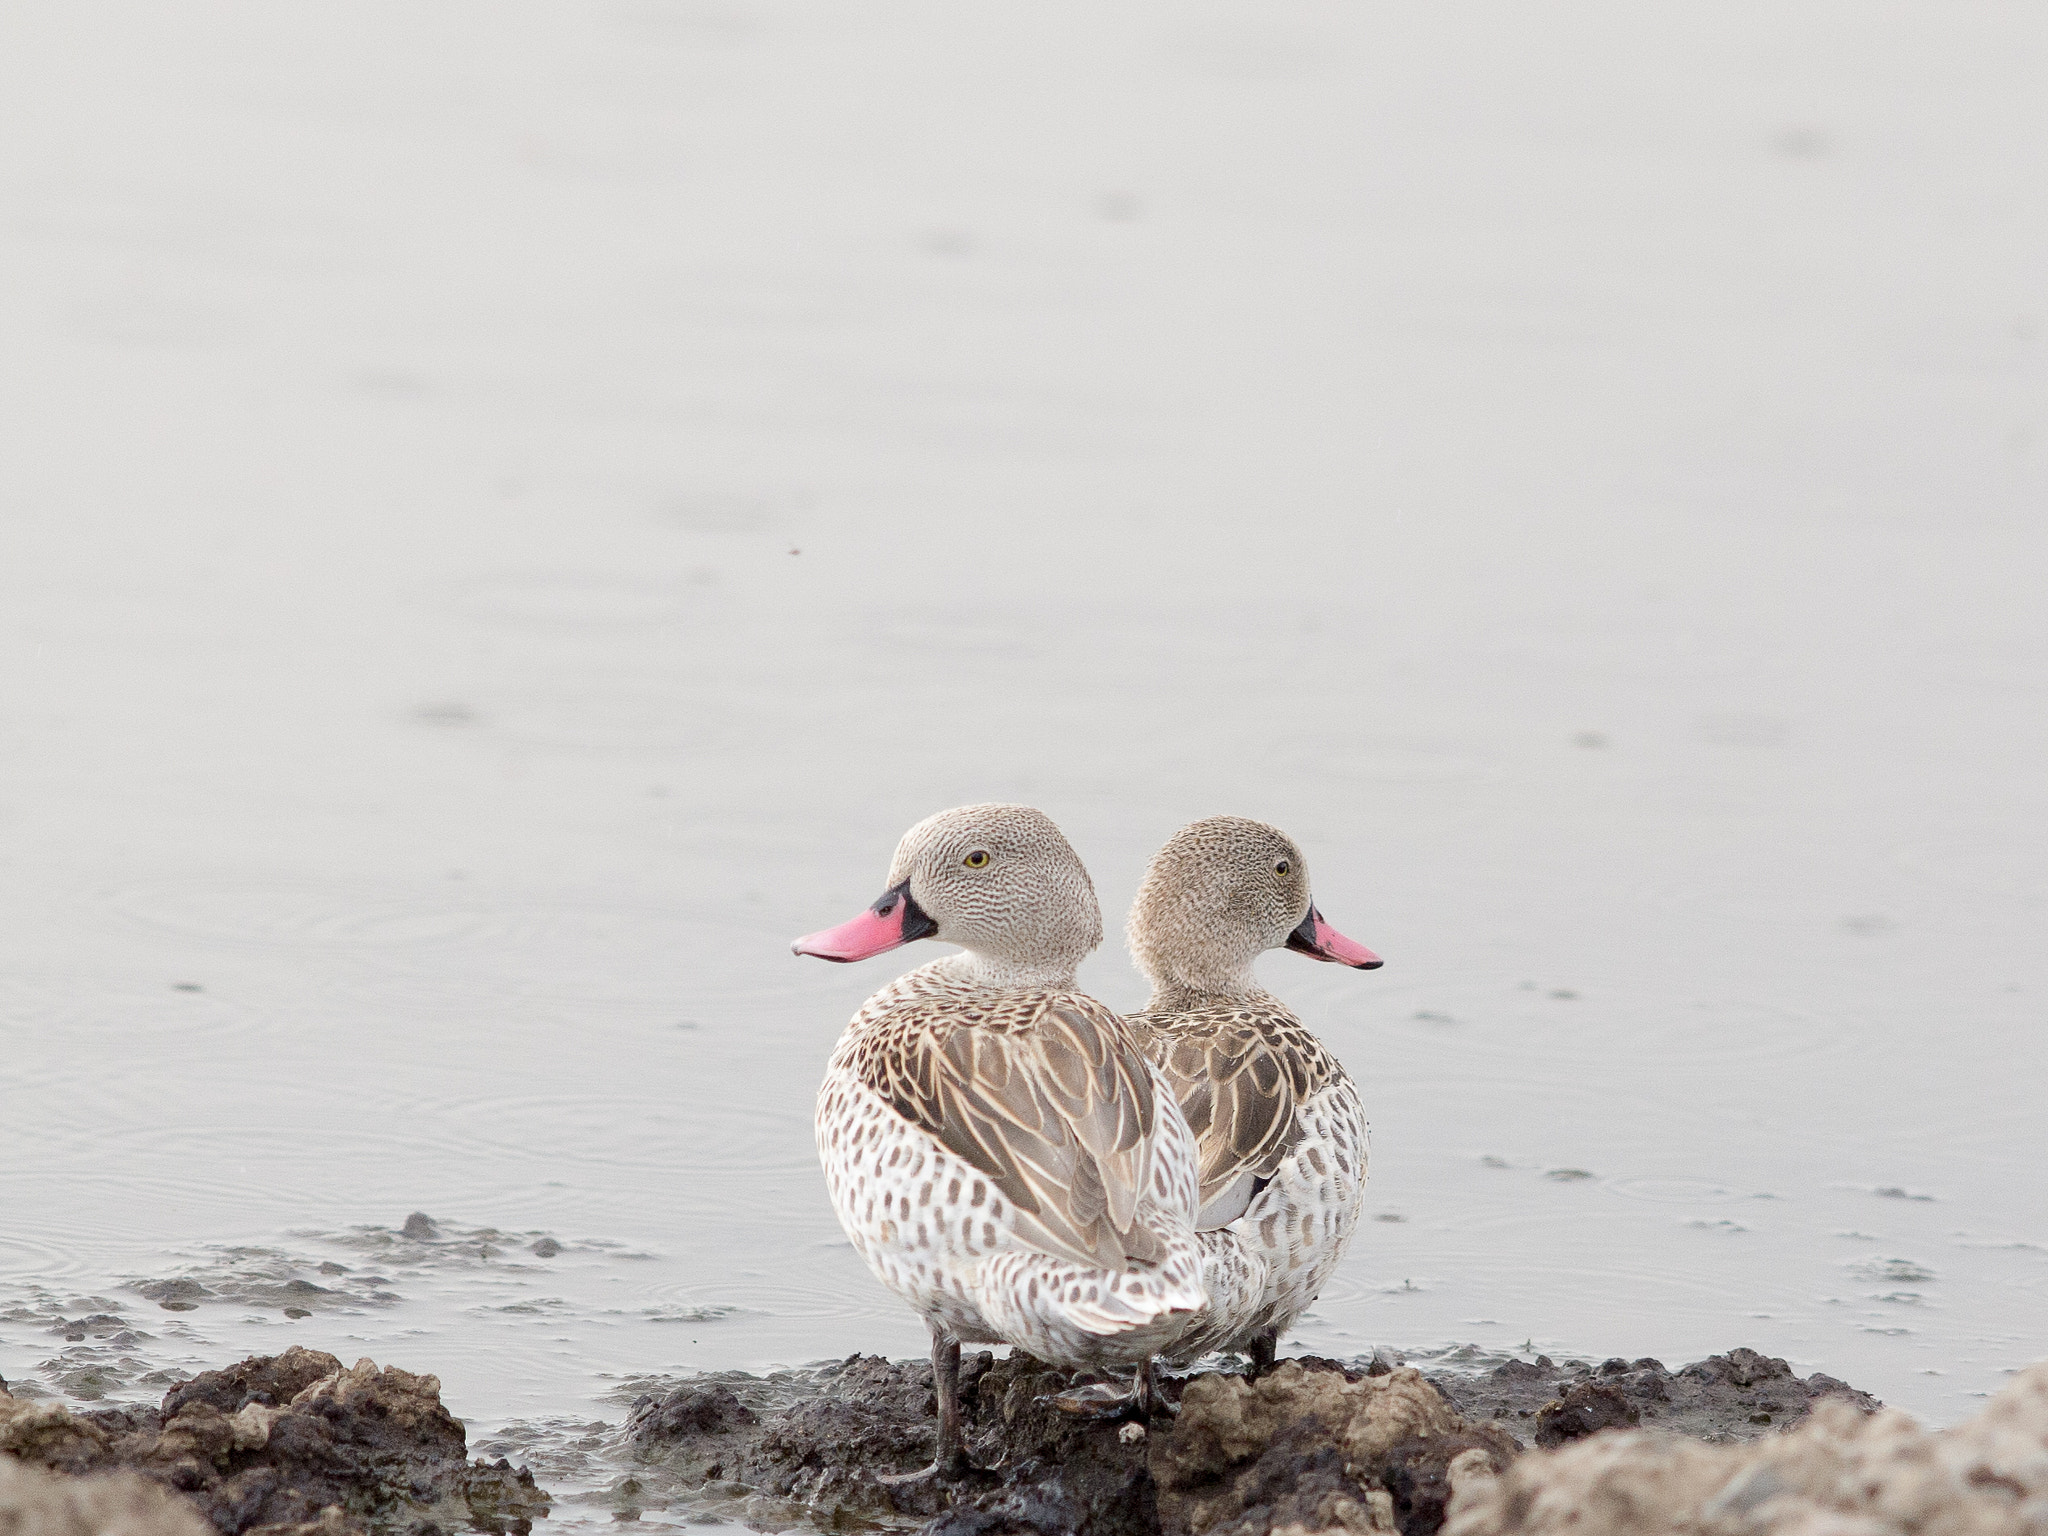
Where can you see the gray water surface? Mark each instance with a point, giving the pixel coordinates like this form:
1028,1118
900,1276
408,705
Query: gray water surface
510,510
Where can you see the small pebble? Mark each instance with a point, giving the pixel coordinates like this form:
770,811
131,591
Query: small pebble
1131,1434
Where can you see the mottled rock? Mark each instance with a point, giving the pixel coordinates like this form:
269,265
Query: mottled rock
47,1434
34,1502
1588,1407
1842,1472
279,1440
1312,1449
1312,1446
1058,1474
268,1380
700,1429
1737,1396
821,1447
1420,1474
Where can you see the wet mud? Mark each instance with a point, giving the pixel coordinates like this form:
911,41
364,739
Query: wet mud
1313,1445
284,1445
296,1444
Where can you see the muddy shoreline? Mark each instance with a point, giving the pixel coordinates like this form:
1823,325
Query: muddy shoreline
1243,1457
297,1444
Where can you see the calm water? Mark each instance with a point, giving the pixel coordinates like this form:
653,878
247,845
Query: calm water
509,510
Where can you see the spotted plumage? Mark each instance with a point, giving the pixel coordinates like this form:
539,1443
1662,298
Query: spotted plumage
1008,1164
1279,1127
997,1146
1282,1141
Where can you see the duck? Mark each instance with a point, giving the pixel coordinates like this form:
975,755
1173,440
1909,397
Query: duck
1280,1127
998,1148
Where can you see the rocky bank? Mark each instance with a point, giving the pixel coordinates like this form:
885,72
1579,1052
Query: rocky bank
1313,1445
1736,1445
282,1445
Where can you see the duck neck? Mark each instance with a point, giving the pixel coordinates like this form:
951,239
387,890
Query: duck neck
1178,994
976,969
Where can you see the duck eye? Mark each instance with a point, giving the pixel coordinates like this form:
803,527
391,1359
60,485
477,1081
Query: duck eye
976,859
1283,868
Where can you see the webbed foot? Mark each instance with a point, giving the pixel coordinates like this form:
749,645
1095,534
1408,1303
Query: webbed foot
957,1468
1097,1400
1144,1398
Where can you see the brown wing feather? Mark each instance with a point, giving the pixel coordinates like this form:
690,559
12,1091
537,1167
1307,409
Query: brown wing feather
1239,1075
1056,1112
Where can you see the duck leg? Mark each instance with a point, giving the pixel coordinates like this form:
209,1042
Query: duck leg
1263,1348
950,1462
1151,1393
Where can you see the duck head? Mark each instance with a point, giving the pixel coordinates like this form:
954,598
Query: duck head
1001,881
1221,893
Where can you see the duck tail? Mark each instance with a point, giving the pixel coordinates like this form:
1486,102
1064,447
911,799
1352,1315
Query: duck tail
1236,1278
1037,1298
1113,1305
